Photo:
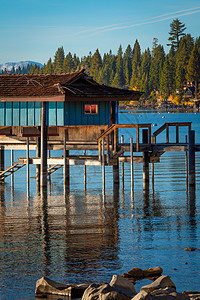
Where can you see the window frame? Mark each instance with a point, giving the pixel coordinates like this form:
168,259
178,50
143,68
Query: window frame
91,113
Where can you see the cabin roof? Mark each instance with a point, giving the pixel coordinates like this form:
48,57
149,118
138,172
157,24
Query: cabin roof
74,86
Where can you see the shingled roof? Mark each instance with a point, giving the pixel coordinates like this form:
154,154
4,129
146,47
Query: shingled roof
74,86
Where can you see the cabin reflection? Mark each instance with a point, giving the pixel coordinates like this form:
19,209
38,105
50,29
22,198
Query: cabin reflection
78,234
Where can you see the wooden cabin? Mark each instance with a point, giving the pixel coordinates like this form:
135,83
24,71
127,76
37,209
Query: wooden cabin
72,99
51,111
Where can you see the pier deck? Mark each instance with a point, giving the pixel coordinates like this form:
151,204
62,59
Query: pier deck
107,150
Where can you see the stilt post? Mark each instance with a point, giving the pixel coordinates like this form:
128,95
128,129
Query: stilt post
145,160
43,146
66,163
85,173
103,165
2,158
38,167
122,141
191,158
12,161
186,164
27,165
132,168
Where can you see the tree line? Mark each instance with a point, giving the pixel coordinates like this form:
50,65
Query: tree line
153,72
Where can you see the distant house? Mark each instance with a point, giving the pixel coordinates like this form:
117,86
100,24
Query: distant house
189,90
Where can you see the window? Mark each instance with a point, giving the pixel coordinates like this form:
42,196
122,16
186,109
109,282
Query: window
91,109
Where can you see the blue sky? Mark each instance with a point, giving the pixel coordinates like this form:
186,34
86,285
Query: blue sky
34,29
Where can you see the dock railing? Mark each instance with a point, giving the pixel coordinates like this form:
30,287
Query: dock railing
110,138
166,127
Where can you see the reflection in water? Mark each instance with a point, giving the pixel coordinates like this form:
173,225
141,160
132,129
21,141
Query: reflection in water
85,236
80,237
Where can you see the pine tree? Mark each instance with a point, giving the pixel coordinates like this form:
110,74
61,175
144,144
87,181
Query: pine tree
86,62
96,65
58,61
158,57
177,30
118,80
145,70
136,61
76,62
106,73
172,64
68,64
166,80
182,58
127,65
48,68
193,67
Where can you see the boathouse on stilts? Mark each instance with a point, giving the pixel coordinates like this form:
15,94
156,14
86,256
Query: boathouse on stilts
73,112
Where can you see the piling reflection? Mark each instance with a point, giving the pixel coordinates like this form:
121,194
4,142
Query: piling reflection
192,207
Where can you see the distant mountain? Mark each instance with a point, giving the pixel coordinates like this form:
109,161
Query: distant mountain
8,66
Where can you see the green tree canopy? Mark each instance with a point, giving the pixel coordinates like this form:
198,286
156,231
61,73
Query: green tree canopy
96,64
193,67
177,29
68,64
58,60
136,61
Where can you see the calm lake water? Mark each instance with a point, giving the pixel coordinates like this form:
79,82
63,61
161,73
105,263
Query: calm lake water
88,237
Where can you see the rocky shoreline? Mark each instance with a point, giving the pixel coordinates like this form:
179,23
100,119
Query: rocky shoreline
121,287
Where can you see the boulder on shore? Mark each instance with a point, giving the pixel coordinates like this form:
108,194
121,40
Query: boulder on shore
103,292
46,286
161,282
138,274
123,286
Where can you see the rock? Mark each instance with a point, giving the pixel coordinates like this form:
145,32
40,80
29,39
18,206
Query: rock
123,286
103,292
152,272
46,286
191,249
161,282
142,295
135,273
193,295
172,296
167,290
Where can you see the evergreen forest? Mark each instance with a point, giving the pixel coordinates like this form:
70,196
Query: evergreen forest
157,74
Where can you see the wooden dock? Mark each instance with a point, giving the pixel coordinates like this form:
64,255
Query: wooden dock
108,150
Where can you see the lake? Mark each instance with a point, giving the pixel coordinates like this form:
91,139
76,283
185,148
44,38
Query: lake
87,236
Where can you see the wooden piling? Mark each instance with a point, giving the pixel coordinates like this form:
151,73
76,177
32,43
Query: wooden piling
132,168
122,165
85,174
43,181
2,160
103,165
116,177
145,161
191,167
27,165
152,176
66,170
167,133
12,161
38,167
186,164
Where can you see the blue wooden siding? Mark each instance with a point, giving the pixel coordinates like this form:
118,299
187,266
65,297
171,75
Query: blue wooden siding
75,113
58,113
